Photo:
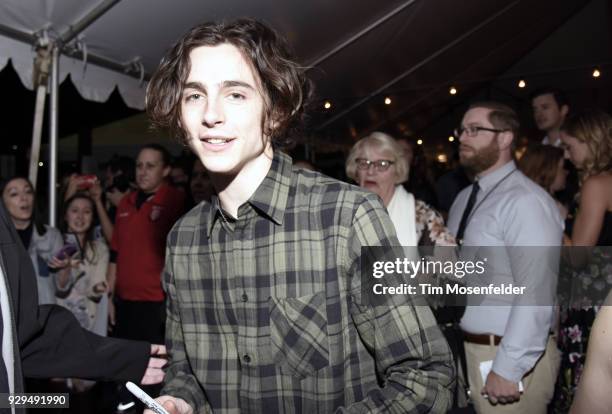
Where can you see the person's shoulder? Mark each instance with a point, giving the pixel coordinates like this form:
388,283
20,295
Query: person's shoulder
127,200
317,187
195,217
528,199
523,188
51,233
598,184
425,212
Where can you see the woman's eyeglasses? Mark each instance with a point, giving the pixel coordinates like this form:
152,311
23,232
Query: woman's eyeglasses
379,165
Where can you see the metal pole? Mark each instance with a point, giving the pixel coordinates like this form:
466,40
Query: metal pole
359,34
417,66
39,114
53,112
88,19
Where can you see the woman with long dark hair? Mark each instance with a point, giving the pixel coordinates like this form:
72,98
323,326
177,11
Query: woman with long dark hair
41,241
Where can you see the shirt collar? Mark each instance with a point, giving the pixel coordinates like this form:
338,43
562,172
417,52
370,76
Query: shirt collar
491,179
160,194
270,198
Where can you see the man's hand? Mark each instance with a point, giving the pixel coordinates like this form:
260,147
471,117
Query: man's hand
500,390
172,405
154,373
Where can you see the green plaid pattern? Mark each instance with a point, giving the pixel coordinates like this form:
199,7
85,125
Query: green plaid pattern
265,313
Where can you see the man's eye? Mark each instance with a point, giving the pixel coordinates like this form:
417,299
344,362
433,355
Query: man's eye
237,96
193,97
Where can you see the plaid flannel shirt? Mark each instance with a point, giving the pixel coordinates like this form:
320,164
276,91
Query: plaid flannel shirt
265,315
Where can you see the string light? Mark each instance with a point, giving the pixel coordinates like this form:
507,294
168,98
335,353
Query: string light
327,105
387,101
452,90
419,142
596,73
522,83
451,139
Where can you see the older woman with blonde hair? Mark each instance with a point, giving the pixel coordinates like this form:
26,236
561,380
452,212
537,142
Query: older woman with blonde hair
377,163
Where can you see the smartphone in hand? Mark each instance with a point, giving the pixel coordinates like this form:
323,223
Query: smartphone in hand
66,252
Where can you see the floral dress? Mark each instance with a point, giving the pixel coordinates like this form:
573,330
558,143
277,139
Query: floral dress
581,292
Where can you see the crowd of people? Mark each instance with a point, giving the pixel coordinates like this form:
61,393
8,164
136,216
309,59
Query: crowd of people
246,263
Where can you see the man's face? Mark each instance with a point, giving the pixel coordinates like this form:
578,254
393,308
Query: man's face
222,109
480,152
547,113
150,170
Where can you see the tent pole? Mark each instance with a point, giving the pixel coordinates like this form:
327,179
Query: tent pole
88,19
41,92
53,112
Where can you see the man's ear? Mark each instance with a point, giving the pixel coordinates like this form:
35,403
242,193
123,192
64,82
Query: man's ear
167,170
564,111
504,139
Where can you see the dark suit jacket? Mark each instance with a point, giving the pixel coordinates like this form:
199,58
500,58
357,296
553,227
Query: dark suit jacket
50,342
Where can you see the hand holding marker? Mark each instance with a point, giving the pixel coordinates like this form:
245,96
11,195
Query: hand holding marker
145,398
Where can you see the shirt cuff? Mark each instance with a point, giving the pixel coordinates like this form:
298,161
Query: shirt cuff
512,369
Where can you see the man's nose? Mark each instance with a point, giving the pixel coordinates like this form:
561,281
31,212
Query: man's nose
213,113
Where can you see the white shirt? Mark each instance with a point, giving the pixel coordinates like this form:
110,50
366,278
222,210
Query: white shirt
512,212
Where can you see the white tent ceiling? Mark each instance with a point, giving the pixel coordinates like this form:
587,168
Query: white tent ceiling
141,30
362,49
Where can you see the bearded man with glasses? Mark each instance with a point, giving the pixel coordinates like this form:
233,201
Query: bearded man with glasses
505,209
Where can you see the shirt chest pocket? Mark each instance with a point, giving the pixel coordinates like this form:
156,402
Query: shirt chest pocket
298,334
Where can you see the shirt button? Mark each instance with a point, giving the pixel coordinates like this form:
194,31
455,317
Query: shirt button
244,297
246,358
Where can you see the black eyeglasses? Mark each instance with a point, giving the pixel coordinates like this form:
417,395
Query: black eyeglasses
379,165
472,131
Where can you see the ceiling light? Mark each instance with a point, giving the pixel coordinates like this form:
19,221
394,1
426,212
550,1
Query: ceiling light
451,139
419,142
387,101
452,90
40,164
327,105
596,73
442,158
522,83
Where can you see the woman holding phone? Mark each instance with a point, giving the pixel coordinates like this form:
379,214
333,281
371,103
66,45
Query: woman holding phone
82,288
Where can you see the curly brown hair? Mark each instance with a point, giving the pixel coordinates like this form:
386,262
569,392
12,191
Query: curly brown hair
594,128
286,90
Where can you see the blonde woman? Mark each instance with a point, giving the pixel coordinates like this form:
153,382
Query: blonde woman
377,162
587,139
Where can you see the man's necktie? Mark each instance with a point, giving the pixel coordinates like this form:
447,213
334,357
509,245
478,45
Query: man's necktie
466,213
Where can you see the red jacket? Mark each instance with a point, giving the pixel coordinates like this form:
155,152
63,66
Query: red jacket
139,238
